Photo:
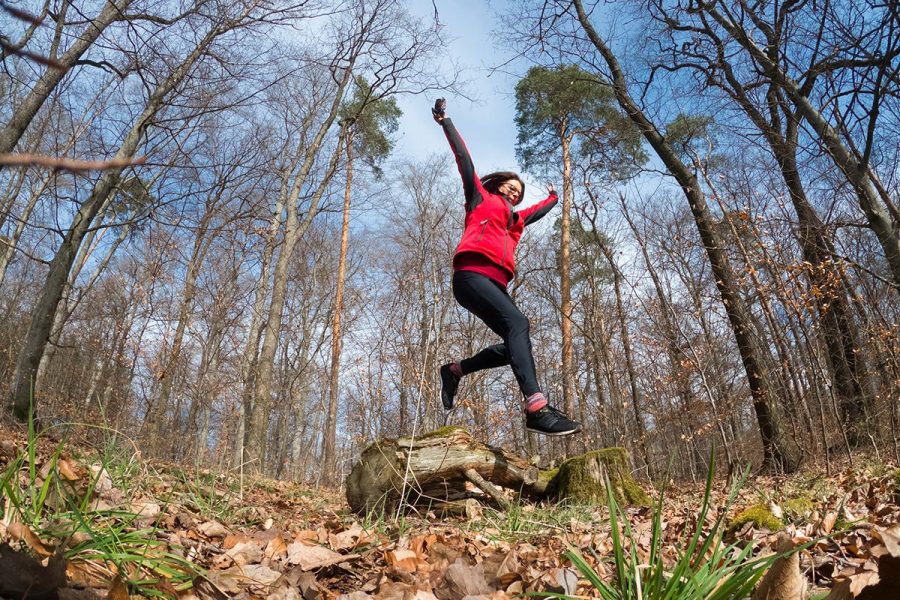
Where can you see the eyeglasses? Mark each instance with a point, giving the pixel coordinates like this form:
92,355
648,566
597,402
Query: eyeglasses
511,187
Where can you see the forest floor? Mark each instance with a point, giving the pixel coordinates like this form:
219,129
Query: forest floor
126,526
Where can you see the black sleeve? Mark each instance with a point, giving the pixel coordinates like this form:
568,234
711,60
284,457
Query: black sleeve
543,210
464,163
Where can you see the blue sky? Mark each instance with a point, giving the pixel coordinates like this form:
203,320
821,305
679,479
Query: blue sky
486,122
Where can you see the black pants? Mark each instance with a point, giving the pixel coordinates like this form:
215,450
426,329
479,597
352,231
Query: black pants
490,302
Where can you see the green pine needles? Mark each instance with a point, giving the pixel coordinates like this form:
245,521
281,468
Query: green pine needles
706,568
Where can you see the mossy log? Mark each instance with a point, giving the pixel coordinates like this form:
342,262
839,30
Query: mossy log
580,479
438,466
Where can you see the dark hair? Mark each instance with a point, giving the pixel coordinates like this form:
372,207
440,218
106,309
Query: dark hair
493,181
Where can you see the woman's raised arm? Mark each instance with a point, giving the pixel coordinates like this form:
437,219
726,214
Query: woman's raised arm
461,153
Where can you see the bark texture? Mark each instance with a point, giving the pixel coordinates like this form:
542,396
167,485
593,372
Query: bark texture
436,468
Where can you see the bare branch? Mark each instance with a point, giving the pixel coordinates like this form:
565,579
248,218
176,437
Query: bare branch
21,14
69,164
9,49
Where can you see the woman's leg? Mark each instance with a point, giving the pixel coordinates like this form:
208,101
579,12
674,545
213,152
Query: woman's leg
489,358
490,302
451,373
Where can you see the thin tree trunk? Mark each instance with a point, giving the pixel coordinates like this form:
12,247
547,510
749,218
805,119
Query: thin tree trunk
596,366
636,401
156,418
193,442
8,245
614,412
674,349
565,285
333,391
250,358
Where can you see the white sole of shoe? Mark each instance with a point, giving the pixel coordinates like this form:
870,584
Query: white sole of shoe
553,434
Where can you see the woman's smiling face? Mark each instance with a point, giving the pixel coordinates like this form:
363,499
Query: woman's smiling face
512,189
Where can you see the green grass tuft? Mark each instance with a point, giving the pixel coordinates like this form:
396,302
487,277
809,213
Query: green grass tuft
705,566
34,492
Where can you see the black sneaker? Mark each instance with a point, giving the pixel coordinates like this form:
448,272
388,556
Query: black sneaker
550,421
449,383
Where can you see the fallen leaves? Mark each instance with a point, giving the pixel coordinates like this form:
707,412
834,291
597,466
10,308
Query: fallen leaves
212,529
238,577
462,579
20,532
118,590
310,557
280,542
783,581
827,524
245,553
890,537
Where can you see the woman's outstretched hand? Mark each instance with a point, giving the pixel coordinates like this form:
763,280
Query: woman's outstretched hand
440,105
550,189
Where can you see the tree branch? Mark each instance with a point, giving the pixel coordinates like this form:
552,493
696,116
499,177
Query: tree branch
68,164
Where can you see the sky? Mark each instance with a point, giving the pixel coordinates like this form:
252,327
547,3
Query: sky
486,121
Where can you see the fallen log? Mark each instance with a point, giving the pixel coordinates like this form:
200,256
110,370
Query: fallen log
442,466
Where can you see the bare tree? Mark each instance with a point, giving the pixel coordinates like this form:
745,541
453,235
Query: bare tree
376,39
846,51
371,121
63,59
738,313
221,23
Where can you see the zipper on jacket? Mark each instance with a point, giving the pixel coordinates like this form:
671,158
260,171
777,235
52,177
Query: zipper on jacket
483,227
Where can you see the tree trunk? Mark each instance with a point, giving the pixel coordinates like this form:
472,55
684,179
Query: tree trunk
877,215
333,391
774,457
846,357
8,245
68,306
250,358
565,285
436,467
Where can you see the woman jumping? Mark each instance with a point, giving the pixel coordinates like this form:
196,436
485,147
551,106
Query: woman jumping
483,265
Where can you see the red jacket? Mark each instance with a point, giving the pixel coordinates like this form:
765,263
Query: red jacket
492,227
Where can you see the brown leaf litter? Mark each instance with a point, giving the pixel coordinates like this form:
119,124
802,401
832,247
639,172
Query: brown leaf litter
281,541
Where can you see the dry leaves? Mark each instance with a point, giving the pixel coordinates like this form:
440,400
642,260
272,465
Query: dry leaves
310,557
21,532
783,581
280,543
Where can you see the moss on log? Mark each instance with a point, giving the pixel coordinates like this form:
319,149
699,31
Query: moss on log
581,479
758,514
437,466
